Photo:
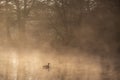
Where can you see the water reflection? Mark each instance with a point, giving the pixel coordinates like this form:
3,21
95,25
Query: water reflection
30,67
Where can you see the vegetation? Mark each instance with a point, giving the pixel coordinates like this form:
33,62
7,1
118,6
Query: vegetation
91,27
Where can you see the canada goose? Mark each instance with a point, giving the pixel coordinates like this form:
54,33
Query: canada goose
47,66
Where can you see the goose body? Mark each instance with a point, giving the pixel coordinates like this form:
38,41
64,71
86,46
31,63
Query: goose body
46,66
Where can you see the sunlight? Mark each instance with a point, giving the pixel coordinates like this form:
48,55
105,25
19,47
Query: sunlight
13,65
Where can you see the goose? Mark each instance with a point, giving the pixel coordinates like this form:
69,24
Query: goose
47,66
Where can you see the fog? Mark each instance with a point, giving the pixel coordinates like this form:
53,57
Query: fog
59,40
29,67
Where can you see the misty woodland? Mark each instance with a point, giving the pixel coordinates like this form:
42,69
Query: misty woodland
59,39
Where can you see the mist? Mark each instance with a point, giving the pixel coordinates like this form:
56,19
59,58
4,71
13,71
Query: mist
59,40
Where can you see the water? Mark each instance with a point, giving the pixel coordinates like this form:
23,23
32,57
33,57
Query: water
28,66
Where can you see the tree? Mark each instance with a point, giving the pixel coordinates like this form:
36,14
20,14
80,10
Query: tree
23,8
